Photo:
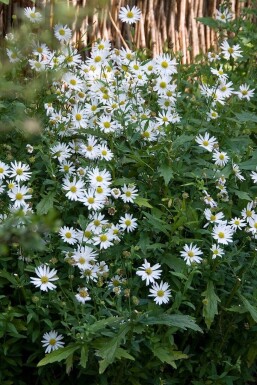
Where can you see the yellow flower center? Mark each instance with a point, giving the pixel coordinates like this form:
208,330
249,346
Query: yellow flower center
160,293
91,200
97,59
52,341
99,178
107,124
44,279
221,235
19,196
148,271
103,238
61,32
68,235
19,171
78,117
73,82
130,15
190,253
73,189
163,85
164,64
127,222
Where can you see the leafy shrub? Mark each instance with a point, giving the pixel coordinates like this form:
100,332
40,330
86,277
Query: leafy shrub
128,225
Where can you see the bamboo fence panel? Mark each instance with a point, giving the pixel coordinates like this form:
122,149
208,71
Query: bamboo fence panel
165,24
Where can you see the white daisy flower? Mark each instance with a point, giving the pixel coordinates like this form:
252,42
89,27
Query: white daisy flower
237,223
129,193
244,92
223,233
4,170
149,273
62,32
52,341
191,254
104,240
220,158
32,15
129,15
230,51
74,188
248,212
217,251
68,235
18,195
45,278
160,292
19,171
206,141
83,295
128,223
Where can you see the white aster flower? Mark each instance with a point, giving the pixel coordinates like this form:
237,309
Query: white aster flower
160,292
237,223
68,235
129,193
224,15
130,16
128,223
105,240
83,295
223,233
74,188
248,212
230,51
207,142
236,170
213,218
32,15
220,158
217,251
244,92
149,273
62,32
52,341
19,171
18,195
4,170
45,278
191,254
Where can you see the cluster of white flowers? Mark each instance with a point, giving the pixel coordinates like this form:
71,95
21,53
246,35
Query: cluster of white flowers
13,183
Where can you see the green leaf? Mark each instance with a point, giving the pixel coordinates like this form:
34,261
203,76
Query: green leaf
157,223
250,308
210,304
46,203
109,350
166,172
242,194
101,324
5,1
58,355
9,277
142,202
209,21
167,355
177,320
84,356
246,117
122,353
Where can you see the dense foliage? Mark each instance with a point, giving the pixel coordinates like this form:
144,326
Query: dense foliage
128,210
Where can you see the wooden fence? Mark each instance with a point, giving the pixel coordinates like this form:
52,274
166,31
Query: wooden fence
164,23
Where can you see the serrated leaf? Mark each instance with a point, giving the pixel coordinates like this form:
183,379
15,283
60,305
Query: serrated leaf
210,304
142,202
209,21
246,116
46,203
168,356
177,320
250,308
84,356
101,324
166,172
157,223
242,195
122,353
109,350
58,355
